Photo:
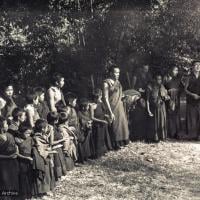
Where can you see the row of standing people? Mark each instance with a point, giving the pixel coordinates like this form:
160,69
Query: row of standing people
49,135
158,113
46,138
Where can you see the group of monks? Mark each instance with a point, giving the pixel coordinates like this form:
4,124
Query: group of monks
159,114
47,133
51,132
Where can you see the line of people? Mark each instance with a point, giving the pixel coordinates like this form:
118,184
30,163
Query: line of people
49,134
158,112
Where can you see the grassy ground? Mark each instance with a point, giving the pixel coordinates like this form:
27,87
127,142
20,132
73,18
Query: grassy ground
168,170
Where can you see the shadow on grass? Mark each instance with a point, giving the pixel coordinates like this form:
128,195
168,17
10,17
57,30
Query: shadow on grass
135,171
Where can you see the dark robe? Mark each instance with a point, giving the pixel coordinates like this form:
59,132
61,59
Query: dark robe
9,167
193,108
59,158
43,173
100,132
85,147
137,122
25,176
74,122
138,115
173,87
119,127
69,145
157,125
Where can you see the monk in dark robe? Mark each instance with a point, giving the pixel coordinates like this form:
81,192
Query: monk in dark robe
112,98
24,142
100,134
86,147
44,180
74,121
172,83
141,78
59,158
157,118
192,89
9,166
70,142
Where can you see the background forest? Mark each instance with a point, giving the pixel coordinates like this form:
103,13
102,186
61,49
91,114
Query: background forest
82,37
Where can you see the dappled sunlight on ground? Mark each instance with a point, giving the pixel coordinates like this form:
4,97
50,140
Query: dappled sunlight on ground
140,171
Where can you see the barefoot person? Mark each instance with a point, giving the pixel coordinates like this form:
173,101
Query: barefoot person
112,95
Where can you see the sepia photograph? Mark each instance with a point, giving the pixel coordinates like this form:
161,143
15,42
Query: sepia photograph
100,100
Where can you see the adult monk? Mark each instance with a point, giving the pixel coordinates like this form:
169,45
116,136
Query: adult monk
192,89
112,97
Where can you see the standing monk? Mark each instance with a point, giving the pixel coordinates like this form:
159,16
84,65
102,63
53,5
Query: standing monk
172,82
112,97
141,78
192,89
54,93
157,96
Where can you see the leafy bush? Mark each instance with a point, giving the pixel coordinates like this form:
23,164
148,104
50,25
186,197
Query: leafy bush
79,37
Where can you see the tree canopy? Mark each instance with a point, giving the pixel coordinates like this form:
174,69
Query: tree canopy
84,36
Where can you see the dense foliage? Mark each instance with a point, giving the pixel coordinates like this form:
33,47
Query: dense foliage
82,37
